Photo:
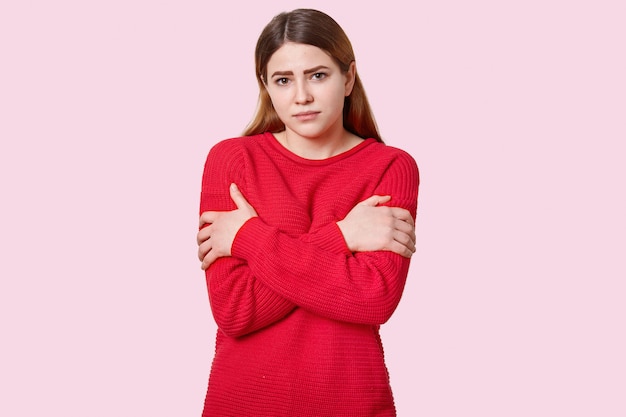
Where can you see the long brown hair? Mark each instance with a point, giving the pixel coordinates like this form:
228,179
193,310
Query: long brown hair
310,27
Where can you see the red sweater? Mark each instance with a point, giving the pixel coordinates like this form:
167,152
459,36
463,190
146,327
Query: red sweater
298,314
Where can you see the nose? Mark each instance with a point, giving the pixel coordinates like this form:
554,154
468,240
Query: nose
303,95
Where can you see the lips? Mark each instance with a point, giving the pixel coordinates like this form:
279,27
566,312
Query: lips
306,115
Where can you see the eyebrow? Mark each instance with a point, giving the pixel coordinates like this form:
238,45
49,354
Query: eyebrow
307,71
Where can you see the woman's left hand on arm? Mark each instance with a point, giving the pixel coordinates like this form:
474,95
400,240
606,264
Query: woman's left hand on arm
369,226
219,228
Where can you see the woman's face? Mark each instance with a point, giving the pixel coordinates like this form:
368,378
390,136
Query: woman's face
307,89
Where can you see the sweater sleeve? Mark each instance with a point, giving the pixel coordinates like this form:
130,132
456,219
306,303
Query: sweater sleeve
240,303
360,288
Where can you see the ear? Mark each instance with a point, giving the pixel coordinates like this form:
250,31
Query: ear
350,78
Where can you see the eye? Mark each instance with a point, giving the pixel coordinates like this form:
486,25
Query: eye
281,81
319,76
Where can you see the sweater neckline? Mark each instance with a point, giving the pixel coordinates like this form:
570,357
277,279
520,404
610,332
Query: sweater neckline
326,161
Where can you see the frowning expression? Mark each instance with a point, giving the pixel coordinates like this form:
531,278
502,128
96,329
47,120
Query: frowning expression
307,89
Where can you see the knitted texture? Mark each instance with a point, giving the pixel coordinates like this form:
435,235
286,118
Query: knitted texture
298,314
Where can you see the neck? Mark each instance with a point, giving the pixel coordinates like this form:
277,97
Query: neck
318,148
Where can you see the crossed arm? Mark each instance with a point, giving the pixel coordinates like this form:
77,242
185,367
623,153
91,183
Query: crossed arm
367,227
243,301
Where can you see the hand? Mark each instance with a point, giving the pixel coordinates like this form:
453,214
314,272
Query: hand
216,239
371,227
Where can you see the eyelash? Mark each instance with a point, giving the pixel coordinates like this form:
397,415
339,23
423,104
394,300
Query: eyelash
315,76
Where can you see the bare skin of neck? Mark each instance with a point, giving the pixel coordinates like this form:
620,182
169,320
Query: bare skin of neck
319,148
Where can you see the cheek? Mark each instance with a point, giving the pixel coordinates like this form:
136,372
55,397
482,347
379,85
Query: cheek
336,97
336,91
278,101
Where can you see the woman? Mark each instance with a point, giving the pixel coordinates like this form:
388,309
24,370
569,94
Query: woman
306,232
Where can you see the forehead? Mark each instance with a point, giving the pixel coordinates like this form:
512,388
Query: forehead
298,56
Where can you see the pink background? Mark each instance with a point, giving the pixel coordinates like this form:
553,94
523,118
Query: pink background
514,110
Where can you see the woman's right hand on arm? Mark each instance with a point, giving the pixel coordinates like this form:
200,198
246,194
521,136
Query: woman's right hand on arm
372,227
216,239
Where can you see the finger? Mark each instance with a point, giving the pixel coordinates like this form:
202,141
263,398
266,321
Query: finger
400,249
203,249
208,217
404,227
208,260
402,214
412,240
403,237
202,235
375,200
409,249
237,196
406,240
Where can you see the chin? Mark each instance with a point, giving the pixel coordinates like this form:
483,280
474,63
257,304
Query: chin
311,133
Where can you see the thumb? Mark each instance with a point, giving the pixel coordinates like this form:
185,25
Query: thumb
238,198
375,200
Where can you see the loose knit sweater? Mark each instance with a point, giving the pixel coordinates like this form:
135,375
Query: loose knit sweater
298,314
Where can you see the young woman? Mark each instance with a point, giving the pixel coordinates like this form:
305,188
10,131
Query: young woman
306,232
